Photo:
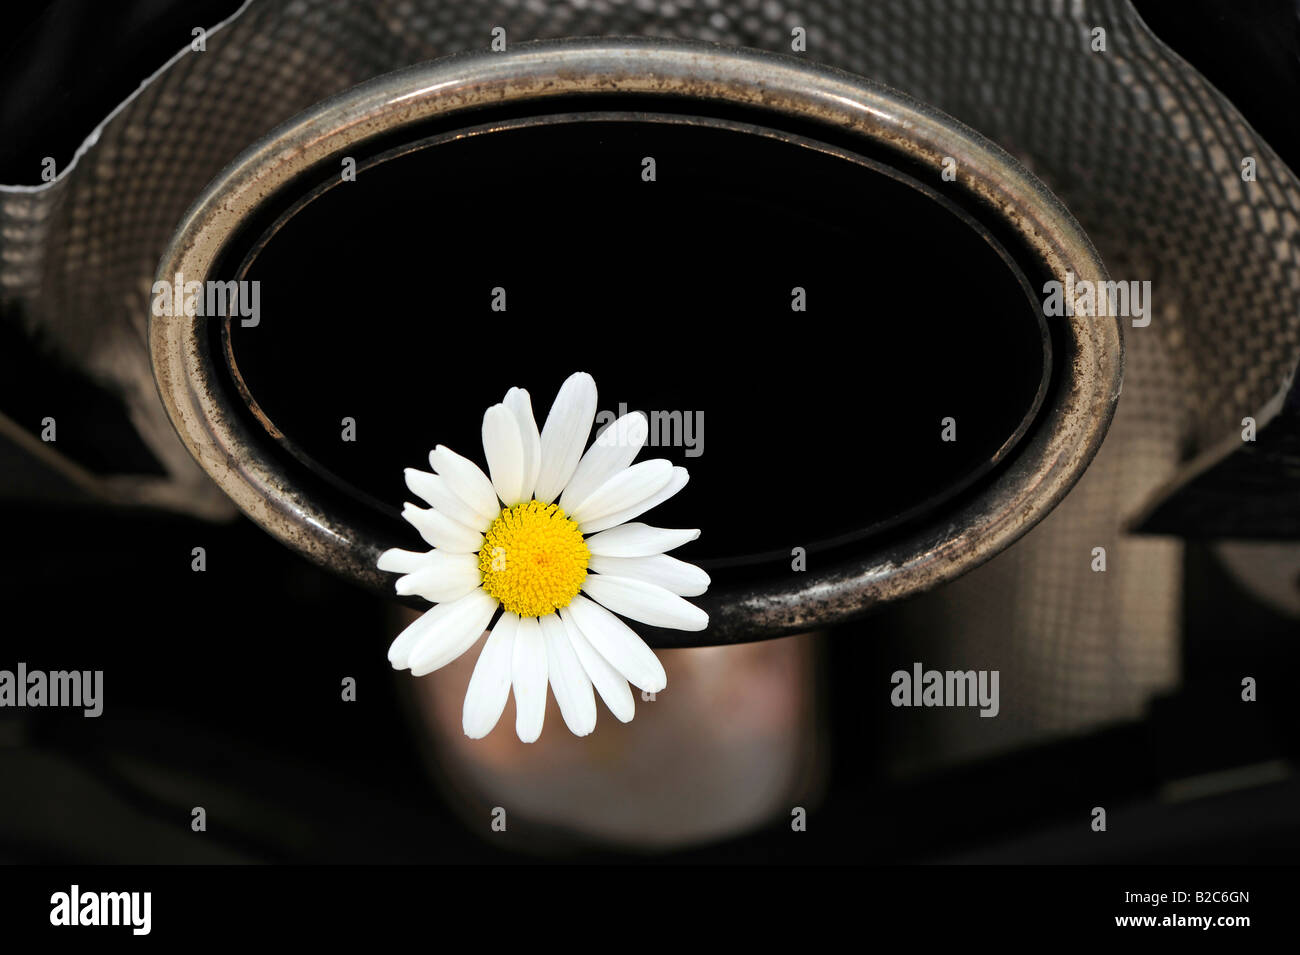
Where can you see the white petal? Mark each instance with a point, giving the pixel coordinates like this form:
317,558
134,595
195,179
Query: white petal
645,602
565,434
616,642
398,561
609,683
638,540
441,531
436,491
625,489
489,687
569,681
521,406
675,484
673,575
452,633
443,577
613,450
466,479
399,653
504,449
528,676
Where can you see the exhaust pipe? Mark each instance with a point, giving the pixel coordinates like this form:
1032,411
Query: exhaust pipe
833,295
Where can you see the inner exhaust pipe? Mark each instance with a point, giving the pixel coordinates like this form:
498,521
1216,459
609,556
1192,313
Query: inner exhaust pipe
845,286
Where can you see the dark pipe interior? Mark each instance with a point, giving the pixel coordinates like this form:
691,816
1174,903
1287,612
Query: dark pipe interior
819,428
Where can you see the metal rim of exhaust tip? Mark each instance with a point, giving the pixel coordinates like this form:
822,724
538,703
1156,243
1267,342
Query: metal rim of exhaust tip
1042,469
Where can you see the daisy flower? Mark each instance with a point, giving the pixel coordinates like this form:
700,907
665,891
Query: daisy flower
547,541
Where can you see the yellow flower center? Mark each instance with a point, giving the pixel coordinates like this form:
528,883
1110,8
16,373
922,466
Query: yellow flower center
533,559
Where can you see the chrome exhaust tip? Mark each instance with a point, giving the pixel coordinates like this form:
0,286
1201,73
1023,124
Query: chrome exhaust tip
756,145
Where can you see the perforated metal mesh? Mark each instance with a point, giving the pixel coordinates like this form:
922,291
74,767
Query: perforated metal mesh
1142,150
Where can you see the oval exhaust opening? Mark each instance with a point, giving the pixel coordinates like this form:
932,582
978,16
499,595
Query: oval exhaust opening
775,185
678,294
